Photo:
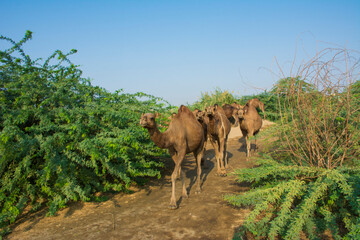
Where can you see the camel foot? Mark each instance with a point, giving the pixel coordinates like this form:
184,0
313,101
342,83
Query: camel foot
172,207
197,191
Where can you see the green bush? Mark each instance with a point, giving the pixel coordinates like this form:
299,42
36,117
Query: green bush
62,139
290,199
311,181
210,98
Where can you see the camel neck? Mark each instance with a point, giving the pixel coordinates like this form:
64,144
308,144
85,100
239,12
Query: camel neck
160,139
212,128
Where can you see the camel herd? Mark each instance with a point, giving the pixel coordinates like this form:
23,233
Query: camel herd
188,132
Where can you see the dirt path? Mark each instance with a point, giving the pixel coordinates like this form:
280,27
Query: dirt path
144,214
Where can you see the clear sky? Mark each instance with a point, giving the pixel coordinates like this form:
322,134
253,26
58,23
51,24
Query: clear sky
179,49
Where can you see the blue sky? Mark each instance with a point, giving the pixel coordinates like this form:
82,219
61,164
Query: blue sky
179,49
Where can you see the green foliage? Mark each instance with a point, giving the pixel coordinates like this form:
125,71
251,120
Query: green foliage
285,85
218,96
225,97
289,200
62,139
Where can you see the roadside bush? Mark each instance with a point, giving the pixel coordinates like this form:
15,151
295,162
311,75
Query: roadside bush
62,139
311,184
210,98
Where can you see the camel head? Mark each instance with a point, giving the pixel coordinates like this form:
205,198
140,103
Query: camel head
196,111
147,120
200,115
241,112
210,111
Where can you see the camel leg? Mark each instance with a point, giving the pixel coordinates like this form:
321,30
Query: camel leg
184,192
179,173
236,121
178,158
226,154
221,159
203,155
198,157
248,143
247,146
216,149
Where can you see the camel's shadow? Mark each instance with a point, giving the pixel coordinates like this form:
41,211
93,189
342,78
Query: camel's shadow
191,171
242,148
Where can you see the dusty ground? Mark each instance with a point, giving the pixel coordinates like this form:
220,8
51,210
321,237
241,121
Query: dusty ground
144,213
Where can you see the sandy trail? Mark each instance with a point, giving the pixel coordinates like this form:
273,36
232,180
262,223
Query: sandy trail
144,213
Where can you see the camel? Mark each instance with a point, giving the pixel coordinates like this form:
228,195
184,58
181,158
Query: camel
218,130
236,105
231,113
184,135
257,104
204,121
250,124
196,110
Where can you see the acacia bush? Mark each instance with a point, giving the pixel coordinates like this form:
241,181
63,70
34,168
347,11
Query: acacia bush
311,184
62,139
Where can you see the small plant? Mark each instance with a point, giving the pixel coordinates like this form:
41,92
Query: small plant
293,200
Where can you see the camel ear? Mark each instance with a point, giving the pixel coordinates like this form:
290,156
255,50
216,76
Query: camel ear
142,114
156,114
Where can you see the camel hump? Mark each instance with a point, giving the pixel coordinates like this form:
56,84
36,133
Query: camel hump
184,109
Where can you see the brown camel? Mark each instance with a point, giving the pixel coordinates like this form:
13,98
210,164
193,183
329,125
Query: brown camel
184,135
204,121
231,113
236,105
218,130
257,104
250,124
196,110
